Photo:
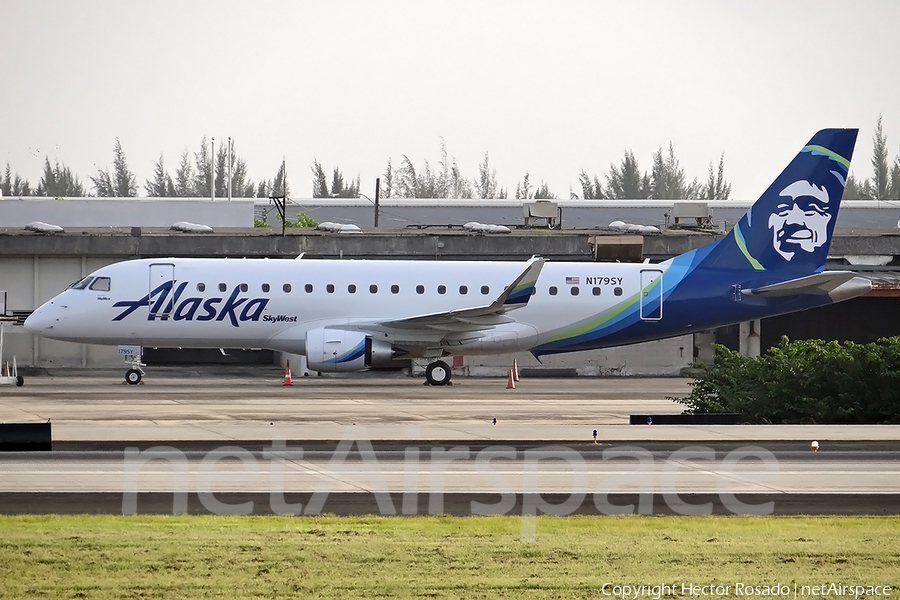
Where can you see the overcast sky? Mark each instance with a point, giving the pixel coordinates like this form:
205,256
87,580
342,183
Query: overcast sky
545,87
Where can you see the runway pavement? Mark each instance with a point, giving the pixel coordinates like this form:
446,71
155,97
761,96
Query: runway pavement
390,445
171,406
357,477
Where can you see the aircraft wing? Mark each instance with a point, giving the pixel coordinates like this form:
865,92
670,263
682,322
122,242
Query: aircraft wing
843,284
475,318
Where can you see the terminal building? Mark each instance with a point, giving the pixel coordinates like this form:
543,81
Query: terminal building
38,262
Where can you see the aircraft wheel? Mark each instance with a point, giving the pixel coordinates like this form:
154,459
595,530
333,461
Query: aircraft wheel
20,381
438,373
133,376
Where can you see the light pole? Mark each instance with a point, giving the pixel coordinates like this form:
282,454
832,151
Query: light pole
376,202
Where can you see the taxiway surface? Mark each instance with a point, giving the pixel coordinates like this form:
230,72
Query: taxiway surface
433,449
223,408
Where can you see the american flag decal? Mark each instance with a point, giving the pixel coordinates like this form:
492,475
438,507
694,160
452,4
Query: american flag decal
571,281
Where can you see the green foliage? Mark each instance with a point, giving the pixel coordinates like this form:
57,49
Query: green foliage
184,177
626,182
808,381
854,190
667,180
203,175
526,191
590,188
59,181
14,185
486,185
320,183
885,182
523,189
717,187
279,186
880,187
543,192
241,186
161,186
122,183
446,181
257,222
302,220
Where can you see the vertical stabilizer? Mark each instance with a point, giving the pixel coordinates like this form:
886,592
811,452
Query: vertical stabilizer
791,225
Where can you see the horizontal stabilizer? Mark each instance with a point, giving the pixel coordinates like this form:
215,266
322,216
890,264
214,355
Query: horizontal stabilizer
840,285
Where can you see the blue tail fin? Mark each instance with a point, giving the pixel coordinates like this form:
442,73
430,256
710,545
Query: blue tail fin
791,225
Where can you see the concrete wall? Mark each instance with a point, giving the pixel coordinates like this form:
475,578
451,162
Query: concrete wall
266,242
661,358
125,212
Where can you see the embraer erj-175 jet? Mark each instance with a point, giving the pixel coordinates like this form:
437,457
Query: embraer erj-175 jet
347,315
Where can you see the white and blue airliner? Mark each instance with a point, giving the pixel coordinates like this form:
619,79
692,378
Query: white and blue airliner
347,315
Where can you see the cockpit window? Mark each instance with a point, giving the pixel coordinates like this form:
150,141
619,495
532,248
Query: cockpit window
101,284
80,285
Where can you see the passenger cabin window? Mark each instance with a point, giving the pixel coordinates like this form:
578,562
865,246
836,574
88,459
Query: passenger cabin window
395,289
80,285
463,290
485,290
309,288
101,284
351,288
201,287
222,287
244,287
329,288
553,290
373,289
596,291
420,289
265,287
286,288
574,290
617,291
442,289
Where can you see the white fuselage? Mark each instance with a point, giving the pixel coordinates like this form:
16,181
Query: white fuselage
271,303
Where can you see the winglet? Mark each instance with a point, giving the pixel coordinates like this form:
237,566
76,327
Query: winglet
520,290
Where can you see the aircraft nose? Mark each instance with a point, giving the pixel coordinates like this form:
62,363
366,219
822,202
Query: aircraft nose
42,320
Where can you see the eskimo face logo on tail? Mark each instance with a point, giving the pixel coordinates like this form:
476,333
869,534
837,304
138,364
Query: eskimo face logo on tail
800,221
165,304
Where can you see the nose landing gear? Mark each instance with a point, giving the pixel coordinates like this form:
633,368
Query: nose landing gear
132,354
133,376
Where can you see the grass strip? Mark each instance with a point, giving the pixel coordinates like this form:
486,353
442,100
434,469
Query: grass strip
435,557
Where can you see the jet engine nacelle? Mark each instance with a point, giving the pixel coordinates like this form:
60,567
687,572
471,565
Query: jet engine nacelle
339,350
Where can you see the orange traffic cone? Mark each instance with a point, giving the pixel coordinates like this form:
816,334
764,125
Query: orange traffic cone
510,382
287,374
515,370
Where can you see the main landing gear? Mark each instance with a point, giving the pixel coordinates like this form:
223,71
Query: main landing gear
438,373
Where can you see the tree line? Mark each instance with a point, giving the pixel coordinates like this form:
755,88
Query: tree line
625,180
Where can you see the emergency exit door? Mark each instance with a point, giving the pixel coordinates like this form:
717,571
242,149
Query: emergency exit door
651,294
